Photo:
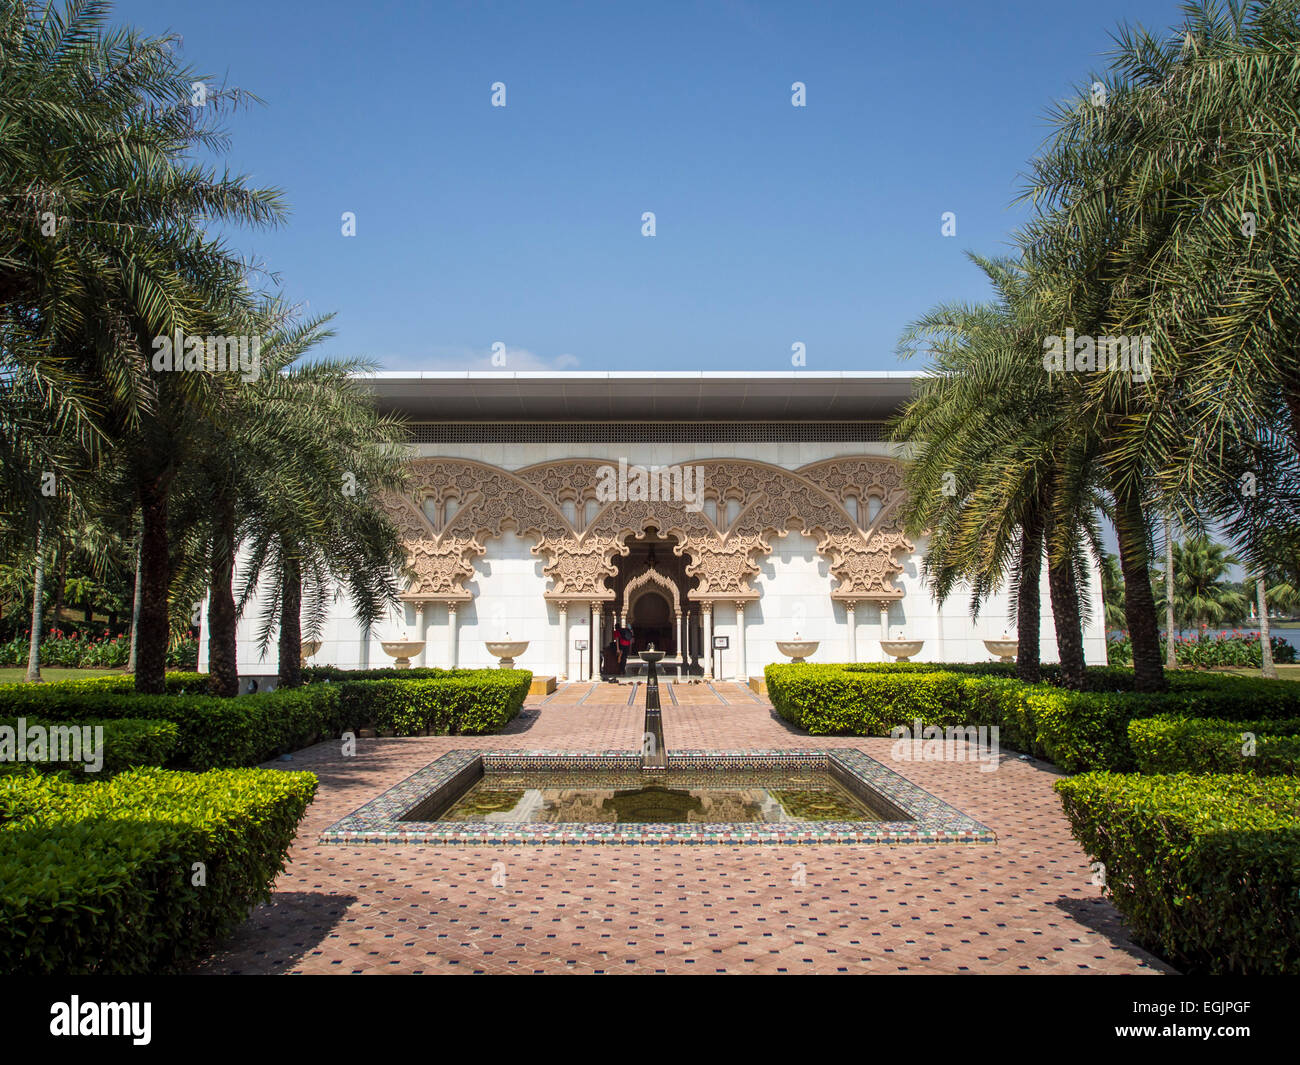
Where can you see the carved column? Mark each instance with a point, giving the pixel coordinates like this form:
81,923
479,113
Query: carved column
451,636
851,613
598,639
742,670
884,627
706,609
564,639
419,628
681,639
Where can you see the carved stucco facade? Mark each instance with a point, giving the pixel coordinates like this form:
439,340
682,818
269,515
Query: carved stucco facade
864,554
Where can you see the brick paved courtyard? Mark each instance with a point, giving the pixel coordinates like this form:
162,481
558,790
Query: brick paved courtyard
1022,905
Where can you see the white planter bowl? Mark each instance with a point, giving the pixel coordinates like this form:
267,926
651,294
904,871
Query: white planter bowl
506,650
903,650
797,650
1004,649
403,651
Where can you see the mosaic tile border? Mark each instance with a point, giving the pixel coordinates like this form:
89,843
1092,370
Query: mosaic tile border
923,817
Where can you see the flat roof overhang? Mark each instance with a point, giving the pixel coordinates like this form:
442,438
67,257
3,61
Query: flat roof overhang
616,396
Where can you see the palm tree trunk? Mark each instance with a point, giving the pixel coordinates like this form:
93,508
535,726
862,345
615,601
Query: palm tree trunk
60,583
1171,651
1064,589
1139,603
222,622
38,593
135,610
155,580
291,623
1265,637
1028,604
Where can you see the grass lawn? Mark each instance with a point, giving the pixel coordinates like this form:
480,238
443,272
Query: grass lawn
1283,672
10,676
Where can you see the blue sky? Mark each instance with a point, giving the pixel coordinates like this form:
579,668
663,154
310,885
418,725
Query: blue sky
523,225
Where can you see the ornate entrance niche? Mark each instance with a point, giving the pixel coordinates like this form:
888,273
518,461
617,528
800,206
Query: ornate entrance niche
652,593
849,505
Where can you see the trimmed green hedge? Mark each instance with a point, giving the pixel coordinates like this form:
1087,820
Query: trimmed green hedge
336,675
122,683
1205,869
1170,744
129,743
99,877
469,702
1077,731
212,732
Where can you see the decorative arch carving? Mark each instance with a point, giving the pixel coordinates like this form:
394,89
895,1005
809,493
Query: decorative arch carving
651,580
774,501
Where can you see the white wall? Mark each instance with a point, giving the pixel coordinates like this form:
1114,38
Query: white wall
508,587
794,584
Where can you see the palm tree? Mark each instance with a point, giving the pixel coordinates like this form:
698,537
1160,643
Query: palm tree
1002,475
1202,597
90,275
312,524
1112,591
1267,667
33,675
1167,210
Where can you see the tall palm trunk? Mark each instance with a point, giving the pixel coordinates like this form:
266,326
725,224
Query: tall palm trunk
155,580
291,623
1265,637
1028,602
135,610
38,593
60,582
1063,587
1171,651
222,648
1139,602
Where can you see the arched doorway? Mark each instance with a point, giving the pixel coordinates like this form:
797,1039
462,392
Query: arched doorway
651,619
652,598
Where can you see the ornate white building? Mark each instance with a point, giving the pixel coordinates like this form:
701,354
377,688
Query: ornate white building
693,508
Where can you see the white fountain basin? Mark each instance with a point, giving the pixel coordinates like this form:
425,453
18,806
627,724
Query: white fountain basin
506,651
797,650
1004,649
403,651
903,650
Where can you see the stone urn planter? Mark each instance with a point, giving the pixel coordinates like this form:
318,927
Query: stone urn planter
309,648
1004,649
903,650
403,651
506,651
797,650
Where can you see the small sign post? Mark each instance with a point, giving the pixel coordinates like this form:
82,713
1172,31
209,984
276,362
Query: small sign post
720,643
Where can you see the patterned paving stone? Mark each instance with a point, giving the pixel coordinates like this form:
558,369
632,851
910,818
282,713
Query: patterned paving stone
1024,904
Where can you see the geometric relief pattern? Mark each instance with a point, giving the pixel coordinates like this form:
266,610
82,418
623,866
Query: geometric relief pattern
480,501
